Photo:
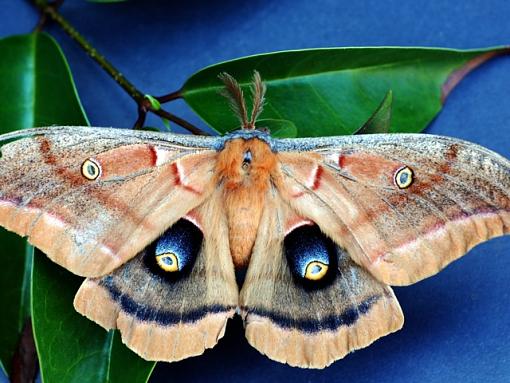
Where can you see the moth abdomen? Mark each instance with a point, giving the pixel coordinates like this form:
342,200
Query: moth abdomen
244,168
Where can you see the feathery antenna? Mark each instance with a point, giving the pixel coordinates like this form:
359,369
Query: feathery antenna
234,93
258,91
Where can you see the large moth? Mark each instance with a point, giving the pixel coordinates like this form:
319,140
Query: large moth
316,230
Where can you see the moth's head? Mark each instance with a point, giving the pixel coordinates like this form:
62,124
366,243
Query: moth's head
247,161
246,155
234,93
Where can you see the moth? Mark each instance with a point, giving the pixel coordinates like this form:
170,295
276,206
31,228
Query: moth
303,238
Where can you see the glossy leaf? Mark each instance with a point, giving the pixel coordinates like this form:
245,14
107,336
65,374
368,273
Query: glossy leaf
166,124
380,120
74,349
35,85
36,88
333,91
278,128
15,274
30,96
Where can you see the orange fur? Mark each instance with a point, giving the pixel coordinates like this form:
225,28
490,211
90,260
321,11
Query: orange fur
244,192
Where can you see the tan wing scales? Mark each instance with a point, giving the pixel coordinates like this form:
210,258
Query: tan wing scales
169,320
310,328
459,196
91,226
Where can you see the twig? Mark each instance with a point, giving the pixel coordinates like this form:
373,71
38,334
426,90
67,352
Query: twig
179,121
50,10
170,96
146,105
43,20
140,121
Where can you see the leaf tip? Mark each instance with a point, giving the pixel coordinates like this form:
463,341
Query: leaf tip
457,75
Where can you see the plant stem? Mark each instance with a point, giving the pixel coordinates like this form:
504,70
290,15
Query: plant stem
52,13
43,20
50,10
140,121
179,121
170,96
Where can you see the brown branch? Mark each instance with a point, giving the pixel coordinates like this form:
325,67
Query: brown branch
146,106
140,121
170,96
49,10
43,20
179,121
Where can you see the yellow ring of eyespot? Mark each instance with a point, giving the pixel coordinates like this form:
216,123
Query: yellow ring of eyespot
410,177
165,266
315,276
86,169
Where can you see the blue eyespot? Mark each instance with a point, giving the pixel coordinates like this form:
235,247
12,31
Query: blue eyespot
309,252
178,247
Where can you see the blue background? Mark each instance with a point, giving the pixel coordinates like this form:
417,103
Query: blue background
458,322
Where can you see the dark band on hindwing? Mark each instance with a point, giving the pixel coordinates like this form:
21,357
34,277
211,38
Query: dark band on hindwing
147,292
311,325
345,294
146,312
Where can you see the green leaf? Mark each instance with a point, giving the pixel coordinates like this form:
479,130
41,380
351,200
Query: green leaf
380,120
36,88
332,91
76,349
30,96
166,124
125,365
15,287
278,128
